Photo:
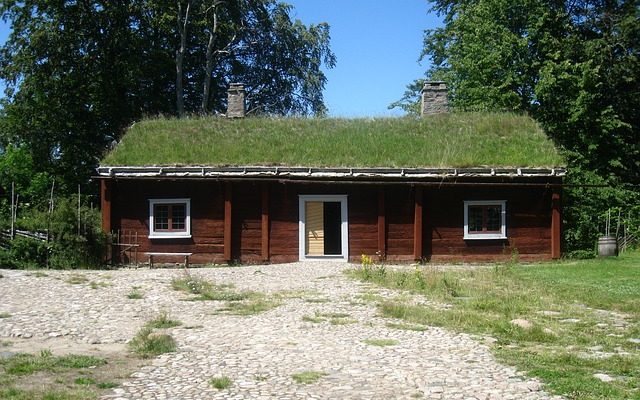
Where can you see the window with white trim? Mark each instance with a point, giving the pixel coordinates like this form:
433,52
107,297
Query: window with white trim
485,219
169,218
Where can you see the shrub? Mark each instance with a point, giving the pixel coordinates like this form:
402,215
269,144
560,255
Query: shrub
149,344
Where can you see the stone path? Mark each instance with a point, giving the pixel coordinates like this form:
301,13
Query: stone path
261,352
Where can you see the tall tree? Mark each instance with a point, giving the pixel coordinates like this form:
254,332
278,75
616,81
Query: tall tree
78,73
573,65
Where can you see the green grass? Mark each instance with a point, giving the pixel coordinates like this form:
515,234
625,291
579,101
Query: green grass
334,318
148,344
135,294
84,380
77,279
25,364
447,140
162,321
380,342
205,290
107,385
255,305
308,377
582,315
5,315
406,327
236,302
220,382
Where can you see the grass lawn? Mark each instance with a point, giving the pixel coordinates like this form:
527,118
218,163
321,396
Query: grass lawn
579,319
61,377
447,140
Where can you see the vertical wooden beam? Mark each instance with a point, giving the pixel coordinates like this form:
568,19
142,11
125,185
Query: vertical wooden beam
417,225
227,220
105,205
556,220
265,222
382,224
105,210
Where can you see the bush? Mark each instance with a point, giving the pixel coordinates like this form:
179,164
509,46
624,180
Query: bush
69,246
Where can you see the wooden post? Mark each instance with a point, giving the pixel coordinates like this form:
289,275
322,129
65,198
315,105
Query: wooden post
227,221
265,222
382,224
417,225
105,202
556,220
105,208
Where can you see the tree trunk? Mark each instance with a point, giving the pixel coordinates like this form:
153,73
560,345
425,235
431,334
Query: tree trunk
182,30
209,63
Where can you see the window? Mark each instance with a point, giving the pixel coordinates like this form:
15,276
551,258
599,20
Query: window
485,219
169,218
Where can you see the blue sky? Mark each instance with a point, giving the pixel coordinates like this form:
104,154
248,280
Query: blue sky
377,45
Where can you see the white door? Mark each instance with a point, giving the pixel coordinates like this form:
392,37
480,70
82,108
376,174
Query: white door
323,227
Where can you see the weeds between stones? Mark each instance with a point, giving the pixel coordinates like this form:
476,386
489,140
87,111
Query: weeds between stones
406,327
237,303
77,279
308,377
162,321
5,315
135,294
147,343
220,382
380,342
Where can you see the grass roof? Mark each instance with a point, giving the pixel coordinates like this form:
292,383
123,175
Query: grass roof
447,140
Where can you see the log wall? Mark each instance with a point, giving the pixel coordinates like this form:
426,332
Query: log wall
529,220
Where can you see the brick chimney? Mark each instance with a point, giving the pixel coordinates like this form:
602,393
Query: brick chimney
235,101
434,98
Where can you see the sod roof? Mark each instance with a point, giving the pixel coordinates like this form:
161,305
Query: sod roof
455,140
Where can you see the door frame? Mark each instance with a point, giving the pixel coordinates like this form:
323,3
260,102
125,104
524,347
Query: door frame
344,226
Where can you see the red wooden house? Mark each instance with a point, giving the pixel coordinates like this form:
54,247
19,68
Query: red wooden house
448,187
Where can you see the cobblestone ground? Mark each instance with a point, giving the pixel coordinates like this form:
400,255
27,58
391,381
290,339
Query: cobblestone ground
260,352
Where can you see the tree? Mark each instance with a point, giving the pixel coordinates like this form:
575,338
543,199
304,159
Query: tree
572,65
79,73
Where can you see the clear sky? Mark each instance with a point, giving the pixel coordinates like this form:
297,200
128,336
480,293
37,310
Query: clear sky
377,45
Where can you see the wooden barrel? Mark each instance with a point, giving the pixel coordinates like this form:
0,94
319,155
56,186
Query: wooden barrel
607,246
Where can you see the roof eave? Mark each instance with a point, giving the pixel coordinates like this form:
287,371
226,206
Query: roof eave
258,172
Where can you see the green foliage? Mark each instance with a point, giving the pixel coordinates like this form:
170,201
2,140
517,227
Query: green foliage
573,65
495,139
582,315
308,377
380,342
162,321
220,382
77,74
70,246
23,364
148,344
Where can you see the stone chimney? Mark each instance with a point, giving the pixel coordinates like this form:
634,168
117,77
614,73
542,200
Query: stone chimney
235,101
434,98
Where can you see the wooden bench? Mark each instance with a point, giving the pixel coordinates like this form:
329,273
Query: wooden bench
153,254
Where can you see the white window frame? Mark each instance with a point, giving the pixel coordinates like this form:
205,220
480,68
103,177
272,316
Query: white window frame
153,234
344,227
486,236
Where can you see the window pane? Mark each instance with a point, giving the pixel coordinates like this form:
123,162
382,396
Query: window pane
178,213
494,218
475,218
161,217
